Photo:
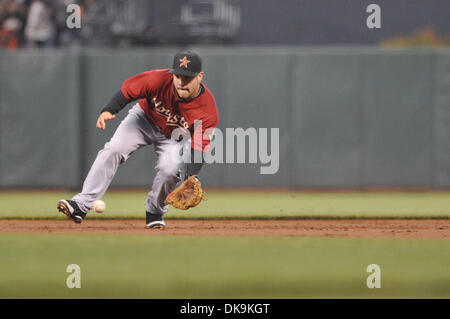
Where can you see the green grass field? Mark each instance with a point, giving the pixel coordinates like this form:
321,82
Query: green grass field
124,266
245,205
34,266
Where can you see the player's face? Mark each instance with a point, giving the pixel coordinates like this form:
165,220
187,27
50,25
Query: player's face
187,87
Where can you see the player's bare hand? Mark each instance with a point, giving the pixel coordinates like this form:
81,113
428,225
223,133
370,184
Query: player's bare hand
103,118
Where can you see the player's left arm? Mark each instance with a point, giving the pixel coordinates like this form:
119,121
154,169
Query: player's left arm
194,168
201,139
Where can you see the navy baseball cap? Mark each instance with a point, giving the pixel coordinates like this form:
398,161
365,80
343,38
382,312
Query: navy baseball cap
186,63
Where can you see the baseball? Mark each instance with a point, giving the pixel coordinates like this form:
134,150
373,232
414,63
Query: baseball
99,206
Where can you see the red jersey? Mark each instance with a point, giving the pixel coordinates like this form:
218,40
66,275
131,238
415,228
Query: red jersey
157,97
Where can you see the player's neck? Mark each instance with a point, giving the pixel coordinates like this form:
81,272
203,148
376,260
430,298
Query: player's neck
199,89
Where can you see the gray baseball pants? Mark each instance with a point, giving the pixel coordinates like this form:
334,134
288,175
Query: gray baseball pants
135,131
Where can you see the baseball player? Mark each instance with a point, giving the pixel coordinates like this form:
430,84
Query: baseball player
168,99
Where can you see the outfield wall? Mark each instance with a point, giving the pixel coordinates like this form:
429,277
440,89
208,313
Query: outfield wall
348,117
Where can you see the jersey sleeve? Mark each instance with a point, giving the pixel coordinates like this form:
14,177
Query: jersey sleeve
140,86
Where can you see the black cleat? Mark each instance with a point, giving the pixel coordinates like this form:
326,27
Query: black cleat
71,210
154,221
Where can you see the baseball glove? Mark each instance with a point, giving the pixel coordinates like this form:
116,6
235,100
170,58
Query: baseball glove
187,195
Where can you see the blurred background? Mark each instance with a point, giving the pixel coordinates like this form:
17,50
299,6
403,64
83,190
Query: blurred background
120,23
356,107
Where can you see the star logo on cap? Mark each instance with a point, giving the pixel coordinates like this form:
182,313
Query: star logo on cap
184,62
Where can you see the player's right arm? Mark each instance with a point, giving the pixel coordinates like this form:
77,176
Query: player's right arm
136,87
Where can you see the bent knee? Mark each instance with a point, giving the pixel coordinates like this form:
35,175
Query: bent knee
168,170
116,150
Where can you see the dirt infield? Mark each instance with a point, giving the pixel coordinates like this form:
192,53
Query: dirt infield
366,228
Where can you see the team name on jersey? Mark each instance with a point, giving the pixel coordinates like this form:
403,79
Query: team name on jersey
171,119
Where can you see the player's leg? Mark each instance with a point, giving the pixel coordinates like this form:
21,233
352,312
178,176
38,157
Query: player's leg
129,136
167,176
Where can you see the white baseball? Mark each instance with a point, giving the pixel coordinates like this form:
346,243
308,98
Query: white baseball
99,206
